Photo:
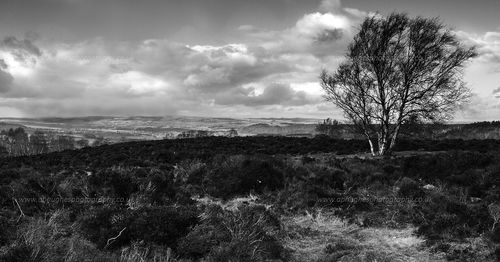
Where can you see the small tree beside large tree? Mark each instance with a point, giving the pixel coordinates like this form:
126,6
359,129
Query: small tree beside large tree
398,69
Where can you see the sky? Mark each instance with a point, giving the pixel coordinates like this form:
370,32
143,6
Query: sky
213,58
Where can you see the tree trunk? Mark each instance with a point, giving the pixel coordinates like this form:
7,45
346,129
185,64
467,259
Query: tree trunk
382,147
372,149
394,137
383,144
370,142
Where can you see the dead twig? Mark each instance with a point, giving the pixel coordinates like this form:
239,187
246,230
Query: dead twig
111,240
494,209
20,209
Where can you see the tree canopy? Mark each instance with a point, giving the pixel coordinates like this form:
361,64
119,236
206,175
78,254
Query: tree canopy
398,69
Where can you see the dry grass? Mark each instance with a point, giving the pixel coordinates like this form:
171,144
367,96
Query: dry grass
51,239
136,253
471,249
324,237
233,204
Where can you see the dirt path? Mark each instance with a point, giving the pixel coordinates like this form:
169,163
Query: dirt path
327,238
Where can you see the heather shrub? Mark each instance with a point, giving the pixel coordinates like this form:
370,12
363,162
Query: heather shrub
99,224
428,167
7,229
80,249
162,225
493,174
466,178
444,217
494,235
240,175
248,233
338,248
190,172
200,241
112,182
410,188
155,188
72,184
324,175
312,184
47,239
223,180
159,187
471,249
154,225
50,239
15,252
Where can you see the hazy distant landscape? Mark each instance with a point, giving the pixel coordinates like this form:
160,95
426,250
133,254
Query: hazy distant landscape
97,130
148,128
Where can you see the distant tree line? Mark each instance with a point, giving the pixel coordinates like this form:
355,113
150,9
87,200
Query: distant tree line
203,133
484,124
417,130
336,129
17,142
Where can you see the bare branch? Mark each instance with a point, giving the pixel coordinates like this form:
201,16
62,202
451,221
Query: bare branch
20,210
398,67
113,239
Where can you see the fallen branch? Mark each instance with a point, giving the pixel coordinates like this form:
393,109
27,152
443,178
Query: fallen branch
494,209
20,209
111,240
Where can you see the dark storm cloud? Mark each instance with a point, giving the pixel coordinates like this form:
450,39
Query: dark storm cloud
209,20
21,48
230,66
274,94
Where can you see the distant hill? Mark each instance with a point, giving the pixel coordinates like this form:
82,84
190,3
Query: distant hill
287,129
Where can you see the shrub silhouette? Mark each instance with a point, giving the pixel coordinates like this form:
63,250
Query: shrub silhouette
162,225
410,188
240,175
447,218
154,225
245,234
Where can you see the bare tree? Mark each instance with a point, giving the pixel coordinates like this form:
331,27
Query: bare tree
398,68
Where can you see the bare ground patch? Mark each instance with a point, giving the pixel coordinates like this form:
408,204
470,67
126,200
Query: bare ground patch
324,237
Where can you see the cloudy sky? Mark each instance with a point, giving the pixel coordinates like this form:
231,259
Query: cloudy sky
231,58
